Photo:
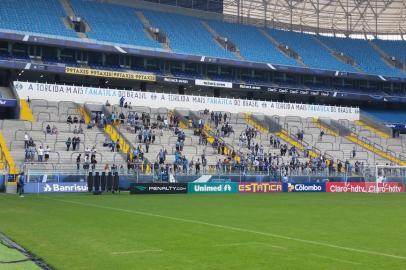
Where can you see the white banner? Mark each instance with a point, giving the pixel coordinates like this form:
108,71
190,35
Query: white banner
214,83
53,92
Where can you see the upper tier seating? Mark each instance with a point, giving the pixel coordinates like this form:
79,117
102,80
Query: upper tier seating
313,54
187,34
363,54
113,23
39,16
389,116
253,45
394,48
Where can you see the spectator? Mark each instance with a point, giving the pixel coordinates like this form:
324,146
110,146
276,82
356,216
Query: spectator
69,120
75,130
54,130
78,158
26,140
75,119
68,143
354,152
122,99
46,153
40,153
107,103
321,135
48,129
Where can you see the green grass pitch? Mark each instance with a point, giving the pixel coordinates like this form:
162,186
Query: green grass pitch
210,232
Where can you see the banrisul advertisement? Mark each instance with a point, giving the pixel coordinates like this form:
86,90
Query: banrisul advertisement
212,187
55,187
304,187
158,188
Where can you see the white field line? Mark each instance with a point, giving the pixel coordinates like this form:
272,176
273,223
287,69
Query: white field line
334,259
249,244
231,228
136,251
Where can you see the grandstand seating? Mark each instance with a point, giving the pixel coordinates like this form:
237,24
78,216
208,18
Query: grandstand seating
313,54
363,54
253,44
113,23
55,114
394,48
387,116
40,16
187,34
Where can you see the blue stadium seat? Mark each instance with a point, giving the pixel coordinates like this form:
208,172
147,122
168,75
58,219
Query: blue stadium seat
394,117
113,23
394,48
313,54
363,54
187,34
253,45
39,16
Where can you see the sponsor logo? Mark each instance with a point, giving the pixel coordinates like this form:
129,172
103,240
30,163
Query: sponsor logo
158,188
305,187
175,80
247,86
214,83
111,74
8,102
390,187
212,187
63,187
260,187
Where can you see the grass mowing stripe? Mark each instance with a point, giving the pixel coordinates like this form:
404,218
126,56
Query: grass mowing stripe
136,251
334,259
225,227
250,244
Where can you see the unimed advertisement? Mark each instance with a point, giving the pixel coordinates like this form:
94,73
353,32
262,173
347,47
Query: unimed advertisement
158,188
264,187
304,187
390,187
212,188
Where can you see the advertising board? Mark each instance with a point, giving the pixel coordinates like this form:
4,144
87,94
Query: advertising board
390,187
304,187
158,188
212,187
71,187
264,187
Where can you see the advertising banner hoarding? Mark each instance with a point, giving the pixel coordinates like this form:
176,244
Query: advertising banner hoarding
158,188
304,187
212,187
264,187
390,187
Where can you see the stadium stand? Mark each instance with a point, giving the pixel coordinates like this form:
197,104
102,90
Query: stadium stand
253,44
55,115
395,117
363,54
395,48
113,23
187,34
313,54
42,16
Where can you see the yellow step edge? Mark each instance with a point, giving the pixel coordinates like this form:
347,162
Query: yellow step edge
354,138
283,134
84,114
6,156
329,131
25,111
372,129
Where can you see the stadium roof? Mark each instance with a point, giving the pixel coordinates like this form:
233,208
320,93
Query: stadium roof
324,16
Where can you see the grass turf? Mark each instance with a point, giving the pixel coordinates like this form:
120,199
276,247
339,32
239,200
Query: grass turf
8,255
258,231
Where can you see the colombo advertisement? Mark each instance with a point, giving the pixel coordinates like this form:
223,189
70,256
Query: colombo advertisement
304,187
